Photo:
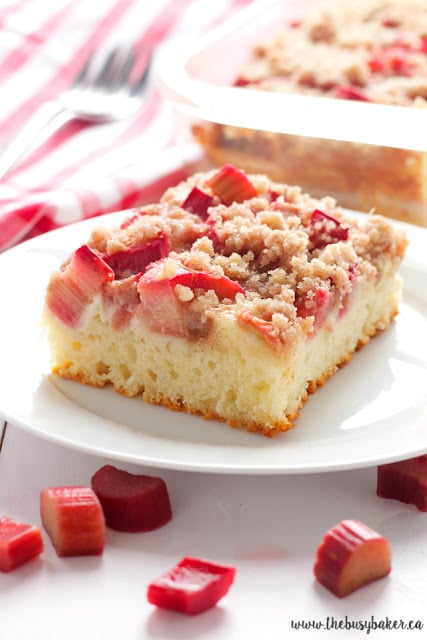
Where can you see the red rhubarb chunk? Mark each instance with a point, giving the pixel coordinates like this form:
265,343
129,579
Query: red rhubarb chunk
160,303
326,229
246,319
390,23
351,93
231,185
350,556
19,543
137,258
137,215
241,81
72,288
212,235
74,520
198,202
405,481
192,586
131,502
391,60
317,305
88,266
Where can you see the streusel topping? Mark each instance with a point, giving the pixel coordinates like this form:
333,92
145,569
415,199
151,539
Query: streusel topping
288,254
373,50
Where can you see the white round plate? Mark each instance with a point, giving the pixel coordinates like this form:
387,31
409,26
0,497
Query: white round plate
372,411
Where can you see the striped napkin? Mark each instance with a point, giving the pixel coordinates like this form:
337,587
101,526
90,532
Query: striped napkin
87,170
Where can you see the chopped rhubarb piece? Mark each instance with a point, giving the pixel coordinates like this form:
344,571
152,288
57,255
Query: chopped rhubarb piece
241,81
137,258
160,302
19,543
350,556
351,93
273,195
224,287
198,202
138,213
346,298
405,481
131,502
326,229
247,319
318,305
231,185
123,299
212,235
192,586
72,288
391,60
376,63
74,520
88,266
398,59
390,23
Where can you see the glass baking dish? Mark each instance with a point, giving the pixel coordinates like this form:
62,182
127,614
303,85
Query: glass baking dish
314,141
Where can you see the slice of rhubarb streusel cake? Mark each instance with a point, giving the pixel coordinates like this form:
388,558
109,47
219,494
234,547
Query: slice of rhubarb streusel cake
233,298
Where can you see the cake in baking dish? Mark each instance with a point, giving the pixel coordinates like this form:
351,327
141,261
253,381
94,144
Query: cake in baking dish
369,51
233,298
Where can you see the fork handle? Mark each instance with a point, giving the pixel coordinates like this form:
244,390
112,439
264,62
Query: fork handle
46,117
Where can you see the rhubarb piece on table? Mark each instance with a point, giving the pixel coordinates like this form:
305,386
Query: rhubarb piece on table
131,502
405,481
74,520
192,586
19,543
350,556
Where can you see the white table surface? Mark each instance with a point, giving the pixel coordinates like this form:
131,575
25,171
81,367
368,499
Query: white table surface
267,526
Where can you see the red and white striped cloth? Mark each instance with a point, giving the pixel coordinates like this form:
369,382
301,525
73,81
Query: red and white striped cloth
86,170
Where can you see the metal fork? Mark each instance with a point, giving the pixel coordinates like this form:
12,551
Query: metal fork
109,87
3,427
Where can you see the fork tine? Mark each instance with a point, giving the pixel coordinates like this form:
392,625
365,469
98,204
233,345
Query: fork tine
93,68
128,64
140,72
124,71
83,74
105,74
119,67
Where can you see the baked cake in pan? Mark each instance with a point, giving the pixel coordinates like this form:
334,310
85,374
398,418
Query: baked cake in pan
233,298
371,51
